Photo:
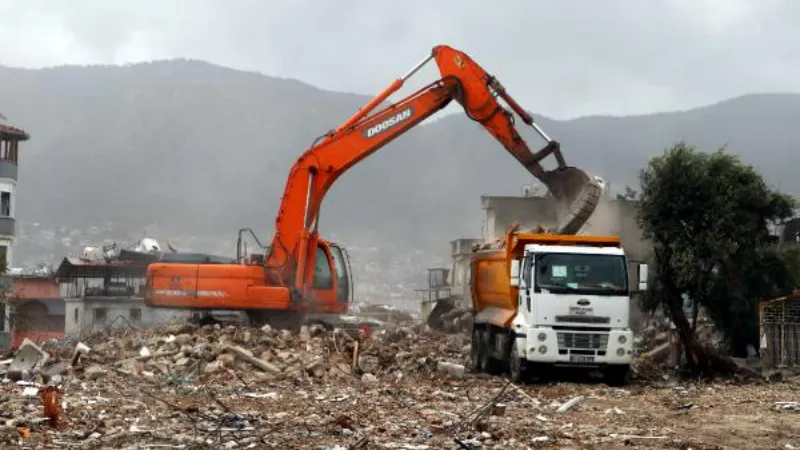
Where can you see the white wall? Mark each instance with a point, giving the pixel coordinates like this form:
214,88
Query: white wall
118,314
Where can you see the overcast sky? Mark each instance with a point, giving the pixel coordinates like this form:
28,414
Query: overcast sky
561,58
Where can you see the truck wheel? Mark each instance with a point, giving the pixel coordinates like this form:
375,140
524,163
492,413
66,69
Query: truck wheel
517,366
617,375
475,351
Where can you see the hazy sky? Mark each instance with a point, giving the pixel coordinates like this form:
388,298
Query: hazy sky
561,58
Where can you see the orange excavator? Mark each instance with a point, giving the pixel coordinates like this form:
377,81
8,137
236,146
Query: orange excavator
300,272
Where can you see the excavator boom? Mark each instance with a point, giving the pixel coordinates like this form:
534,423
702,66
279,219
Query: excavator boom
291,267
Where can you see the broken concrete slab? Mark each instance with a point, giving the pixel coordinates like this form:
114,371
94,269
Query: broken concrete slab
29,358
454,370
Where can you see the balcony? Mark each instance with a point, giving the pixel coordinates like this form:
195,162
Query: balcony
8,169
7,226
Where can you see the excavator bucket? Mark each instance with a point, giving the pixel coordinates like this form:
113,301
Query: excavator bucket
577,195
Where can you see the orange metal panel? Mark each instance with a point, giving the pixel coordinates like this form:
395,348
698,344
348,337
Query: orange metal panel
491,282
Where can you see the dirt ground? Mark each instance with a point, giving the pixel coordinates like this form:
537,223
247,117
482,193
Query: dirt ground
393,398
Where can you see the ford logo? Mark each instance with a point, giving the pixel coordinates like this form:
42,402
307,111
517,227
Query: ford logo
583,302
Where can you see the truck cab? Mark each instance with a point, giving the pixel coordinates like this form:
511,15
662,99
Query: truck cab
573,307
547,301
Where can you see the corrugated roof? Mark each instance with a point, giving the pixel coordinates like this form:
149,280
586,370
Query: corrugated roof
7,130
74,267
791,297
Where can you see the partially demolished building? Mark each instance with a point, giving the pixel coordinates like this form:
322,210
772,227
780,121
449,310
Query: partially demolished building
99,290
615,216
10,137
101,294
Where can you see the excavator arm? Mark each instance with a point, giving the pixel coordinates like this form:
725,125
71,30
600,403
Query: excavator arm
283,283
291,254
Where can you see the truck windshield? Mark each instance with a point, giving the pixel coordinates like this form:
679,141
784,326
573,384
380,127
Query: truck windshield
581,273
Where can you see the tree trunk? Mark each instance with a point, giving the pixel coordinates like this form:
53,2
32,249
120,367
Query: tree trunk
702,361
675,305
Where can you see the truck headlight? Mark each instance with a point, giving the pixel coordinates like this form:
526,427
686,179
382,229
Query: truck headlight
620,351
542,337
543,349
622,339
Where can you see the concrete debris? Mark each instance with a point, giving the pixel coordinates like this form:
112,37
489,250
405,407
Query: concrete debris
246,356
454,370
570,404
28,359
81,350
369,378
787,406
451,316
236,387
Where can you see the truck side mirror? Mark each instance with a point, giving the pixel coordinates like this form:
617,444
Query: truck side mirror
642,277
514,273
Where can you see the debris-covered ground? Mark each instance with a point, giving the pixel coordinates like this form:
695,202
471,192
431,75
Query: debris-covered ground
233,387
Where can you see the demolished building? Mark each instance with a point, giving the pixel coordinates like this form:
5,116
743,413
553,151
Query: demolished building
35,310
614,216
99,290
103,294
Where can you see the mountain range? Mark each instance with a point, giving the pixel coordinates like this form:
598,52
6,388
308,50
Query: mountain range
186,151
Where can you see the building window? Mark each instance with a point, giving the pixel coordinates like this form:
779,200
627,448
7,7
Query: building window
2,317
8,151
5,204
136,315
75,316
100,314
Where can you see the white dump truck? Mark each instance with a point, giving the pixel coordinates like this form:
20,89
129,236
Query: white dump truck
543,301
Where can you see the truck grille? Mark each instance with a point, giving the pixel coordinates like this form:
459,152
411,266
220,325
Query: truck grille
583,319
582,341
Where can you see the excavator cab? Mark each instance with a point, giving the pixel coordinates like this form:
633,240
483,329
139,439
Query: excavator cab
332,283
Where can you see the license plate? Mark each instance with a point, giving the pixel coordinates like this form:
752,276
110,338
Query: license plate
581,359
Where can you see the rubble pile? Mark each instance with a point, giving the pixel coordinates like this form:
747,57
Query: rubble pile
657,346
451,316
457,320
404,388
184,351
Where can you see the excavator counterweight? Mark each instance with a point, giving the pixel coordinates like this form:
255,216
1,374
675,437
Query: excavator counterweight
300,272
